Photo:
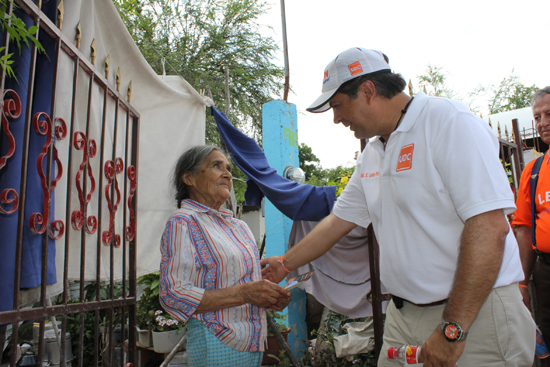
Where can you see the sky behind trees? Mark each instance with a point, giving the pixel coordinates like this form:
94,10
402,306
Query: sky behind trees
476,43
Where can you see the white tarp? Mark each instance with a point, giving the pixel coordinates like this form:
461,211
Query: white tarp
172,120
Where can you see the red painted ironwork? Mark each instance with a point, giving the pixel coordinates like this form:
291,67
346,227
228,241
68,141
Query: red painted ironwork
43,125
12,110
79,217
111,170
131,229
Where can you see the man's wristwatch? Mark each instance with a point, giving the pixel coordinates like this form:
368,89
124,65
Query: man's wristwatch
452,331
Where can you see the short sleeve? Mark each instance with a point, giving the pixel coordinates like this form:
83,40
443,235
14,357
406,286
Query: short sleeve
522,215
351,206
465,153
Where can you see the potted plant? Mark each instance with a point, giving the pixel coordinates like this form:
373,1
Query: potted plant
167,332
145,310
274,348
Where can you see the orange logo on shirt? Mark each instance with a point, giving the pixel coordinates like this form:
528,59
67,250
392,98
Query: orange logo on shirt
405,159
355,68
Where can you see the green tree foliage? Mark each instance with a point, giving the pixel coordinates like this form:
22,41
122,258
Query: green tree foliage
433,83
198,39
510,94
309,163
317,175
18,33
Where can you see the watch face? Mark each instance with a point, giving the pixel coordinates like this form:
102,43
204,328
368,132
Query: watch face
451,331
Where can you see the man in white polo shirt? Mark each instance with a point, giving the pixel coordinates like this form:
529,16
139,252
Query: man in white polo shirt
431,183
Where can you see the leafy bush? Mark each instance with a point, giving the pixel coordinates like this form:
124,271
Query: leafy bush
149,301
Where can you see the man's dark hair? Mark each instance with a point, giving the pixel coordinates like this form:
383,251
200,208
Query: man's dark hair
387,84
540,93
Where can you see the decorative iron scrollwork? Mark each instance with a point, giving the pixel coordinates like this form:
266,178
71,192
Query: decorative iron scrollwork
79,217
111,170
11,109
43,125
131,229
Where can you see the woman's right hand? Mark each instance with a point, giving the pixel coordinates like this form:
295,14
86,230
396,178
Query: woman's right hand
264,293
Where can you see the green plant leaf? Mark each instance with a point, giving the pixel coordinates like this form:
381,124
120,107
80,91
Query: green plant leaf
5,57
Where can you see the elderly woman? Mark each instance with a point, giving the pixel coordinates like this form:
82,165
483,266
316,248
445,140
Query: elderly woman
210,268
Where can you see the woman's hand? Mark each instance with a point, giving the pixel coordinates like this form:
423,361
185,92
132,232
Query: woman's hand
282,302
264,293
274,270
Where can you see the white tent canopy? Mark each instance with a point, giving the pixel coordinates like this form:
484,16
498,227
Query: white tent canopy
525,122
172,119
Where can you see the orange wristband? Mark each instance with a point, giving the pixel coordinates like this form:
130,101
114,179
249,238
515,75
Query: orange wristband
281,260
521,285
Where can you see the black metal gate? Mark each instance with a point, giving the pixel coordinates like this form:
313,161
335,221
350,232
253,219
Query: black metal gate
89,171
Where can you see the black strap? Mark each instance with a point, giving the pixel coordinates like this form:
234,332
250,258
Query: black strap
533,187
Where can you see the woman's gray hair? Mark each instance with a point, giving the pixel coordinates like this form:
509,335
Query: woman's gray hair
189,161
540,93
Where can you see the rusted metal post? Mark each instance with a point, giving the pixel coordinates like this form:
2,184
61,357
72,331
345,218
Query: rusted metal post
518,157
282,341
375,290
285,52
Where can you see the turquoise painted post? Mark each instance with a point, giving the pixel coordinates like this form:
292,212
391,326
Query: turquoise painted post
280,143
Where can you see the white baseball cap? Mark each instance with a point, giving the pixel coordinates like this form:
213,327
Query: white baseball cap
348,65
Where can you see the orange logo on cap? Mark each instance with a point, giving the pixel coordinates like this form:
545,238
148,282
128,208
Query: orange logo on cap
325,77
355,68
404,162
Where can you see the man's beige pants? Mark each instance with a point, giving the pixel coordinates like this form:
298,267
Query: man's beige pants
503,333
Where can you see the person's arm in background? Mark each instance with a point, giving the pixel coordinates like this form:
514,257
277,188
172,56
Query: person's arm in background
316,243
528,258
522,220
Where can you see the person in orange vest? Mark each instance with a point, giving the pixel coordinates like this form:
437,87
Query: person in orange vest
533,232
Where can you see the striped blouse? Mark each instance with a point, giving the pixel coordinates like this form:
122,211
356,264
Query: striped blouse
206,249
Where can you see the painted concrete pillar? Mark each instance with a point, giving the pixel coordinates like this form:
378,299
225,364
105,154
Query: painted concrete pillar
280,143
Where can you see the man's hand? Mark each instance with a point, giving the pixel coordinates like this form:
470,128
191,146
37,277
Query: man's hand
274,271
526,297
438,352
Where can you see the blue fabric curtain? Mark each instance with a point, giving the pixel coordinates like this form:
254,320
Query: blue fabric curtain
296,201
10,175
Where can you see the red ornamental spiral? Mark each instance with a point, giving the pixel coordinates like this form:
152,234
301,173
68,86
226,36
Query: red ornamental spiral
4,199
131,229
11,109
80,142
111,169
43,125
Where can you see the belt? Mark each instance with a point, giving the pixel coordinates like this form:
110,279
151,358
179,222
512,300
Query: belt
544,256
398,301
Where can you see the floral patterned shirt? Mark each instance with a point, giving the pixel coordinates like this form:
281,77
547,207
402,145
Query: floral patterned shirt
206,249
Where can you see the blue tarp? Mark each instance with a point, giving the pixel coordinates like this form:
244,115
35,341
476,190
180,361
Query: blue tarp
296,201
10,174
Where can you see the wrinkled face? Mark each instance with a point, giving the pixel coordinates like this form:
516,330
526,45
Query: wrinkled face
541,113
211,184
